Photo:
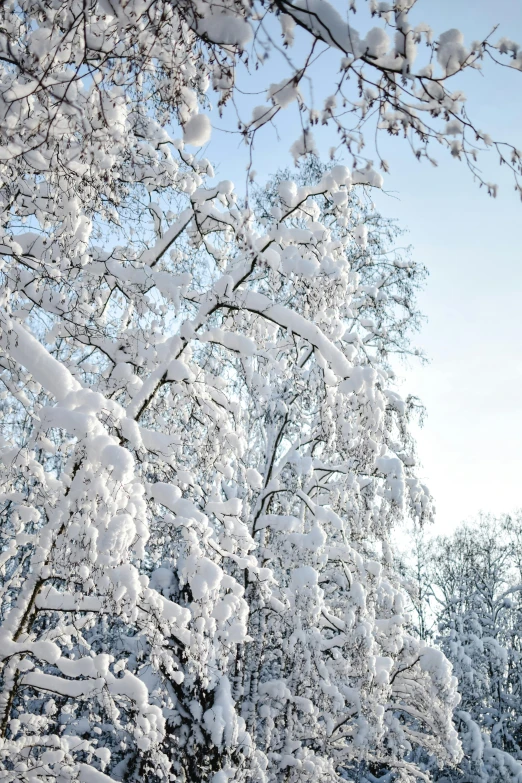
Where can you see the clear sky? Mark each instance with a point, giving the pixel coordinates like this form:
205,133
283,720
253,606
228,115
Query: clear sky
470,445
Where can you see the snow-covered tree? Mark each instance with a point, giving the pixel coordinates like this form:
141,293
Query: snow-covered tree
197,579
203,451
474,578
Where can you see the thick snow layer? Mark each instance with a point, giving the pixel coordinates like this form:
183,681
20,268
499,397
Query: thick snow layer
197,131
25,349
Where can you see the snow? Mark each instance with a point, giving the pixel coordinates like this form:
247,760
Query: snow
221,720
205,578
342,175
77,689
276,689
304,576
231,340
90,775
129,685
361,236
254,478
320,17
197,131
376,42
44,368
119,461
84,667
225,28
288,192
178,371
46,651
152,255
451,52
118,538
166,494
288,28
284,93
232,506
294,322
368,176
262,114
304,145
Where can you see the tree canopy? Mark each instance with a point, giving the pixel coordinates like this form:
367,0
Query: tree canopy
88,86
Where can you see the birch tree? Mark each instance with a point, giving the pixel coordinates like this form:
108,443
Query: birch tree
197,580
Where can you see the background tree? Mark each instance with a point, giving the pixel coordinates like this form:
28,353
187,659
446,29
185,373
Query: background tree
473,582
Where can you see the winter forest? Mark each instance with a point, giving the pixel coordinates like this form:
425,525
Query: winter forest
218,559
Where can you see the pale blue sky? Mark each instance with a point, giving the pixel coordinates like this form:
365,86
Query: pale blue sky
470,445
471,442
